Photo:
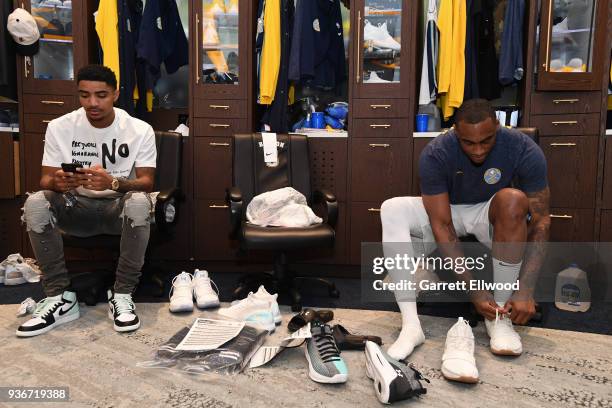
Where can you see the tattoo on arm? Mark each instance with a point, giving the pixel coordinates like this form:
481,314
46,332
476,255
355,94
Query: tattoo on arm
537,238
142,182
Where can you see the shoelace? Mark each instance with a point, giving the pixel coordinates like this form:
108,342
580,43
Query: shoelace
326,345
45,307
123,305
180,275
461,340
503,324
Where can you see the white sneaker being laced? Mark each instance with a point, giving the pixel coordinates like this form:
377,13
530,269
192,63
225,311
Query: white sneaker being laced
504,339
458,363
181,294
203,290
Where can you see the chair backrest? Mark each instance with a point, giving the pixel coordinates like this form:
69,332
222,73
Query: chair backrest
253,176
531,132
169,160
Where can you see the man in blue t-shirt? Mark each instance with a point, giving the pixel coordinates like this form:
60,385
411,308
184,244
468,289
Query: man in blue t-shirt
488,181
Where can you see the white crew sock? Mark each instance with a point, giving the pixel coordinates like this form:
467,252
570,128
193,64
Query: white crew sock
411,334
504,272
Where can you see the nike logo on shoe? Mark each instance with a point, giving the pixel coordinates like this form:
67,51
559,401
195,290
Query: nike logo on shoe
64,311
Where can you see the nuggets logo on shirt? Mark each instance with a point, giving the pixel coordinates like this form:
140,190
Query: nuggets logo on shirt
492,176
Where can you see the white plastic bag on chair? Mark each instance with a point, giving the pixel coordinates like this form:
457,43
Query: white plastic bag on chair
285,207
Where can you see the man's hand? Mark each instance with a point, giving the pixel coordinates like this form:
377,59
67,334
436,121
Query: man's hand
522,307
64,182
485,304
96,178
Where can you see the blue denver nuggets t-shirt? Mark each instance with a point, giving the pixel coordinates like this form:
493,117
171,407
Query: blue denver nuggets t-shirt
515,158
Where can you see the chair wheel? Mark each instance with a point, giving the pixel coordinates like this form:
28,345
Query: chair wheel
334,293
296,307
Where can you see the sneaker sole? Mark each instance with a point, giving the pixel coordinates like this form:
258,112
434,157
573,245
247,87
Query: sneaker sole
463,379
379,370
122,329
316,377
208,305
181,308
60,321
14,281
506,352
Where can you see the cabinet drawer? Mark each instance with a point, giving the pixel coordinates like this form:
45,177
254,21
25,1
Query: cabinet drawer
558,125
37,122
211,231
220,127
381,108
380,128
50,104
213,175
571,225
220,108
548,103
381,168
572,170
367,229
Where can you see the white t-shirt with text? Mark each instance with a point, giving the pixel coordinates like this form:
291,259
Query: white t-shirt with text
119,148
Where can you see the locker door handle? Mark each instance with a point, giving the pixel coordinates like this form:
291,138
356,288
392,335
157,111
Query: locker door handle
219,144
380,106
385,145
219,125
565,122
374,210
218,207
46,121
564,216
570,101
385,126
60,103
224,107
563,144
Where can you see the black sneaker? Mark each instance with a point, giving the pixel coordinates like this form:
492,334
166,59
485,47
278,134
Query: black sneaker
51,312
121,311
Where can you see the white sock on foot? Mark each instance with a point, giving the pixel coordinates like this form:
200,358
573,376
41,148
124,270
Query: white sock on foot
504,272
411,334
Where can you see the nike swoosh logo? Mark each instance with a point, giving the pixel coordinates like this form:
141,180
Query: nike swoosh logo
64,311
503,264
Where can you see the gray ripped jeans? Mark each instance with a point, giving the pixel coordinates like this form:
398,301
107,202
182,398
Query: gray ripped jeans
46,215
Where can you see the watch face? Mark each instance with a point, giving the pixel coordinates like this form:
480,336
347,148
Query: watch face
115,184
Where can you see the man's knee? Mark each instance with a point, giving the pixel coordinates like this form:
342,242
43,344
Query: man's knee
397,205
37,212
137,208
511,204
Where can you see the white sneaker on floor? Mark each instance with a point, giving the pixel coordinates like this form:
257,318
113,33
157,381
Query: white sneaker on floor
9,274
181,294
252,311
203,291
380,37
122,311
458,363
505,340
50,312
262,294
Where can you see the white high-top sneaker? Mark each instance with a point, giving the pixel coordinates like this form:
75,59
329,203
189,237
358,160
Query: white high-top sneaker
50,312
458,363
505,340
122,311
203,291
262,294
181,294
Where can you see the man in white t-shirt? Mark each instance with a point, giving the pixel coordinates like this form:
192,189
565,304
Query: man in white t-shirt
109,193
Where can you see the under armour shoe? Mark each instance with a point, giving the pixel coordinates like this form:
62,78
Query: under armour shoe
505,340
253,311
181,294
122,311
262,294
203,290
325,365
458,363
50,312
393,379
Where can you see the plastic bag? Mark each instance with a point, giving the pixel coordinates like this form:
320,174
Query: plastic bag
285,207
229,359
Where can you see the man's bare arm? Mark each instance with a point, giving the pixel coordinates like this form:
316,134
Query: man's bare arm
96,178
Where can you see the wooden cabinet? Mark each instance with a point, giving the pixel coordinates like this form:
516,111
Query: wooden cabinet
607,176
572,170
7,165
572,40
367,229
572,225
214,154
211,233
34,146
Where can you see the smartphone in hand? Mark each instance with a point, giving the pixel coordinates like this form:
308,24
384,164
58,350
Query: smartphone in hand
70,167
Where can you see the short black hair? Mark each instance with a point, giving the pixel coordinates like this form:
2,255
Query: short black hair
98,73
475,111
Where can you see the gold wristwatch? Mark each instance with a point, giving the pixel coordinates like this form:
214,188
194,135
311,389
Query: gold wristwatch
115,184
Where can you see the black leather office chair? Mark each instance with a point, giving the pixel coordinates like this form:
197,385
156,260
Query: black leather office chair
252,177
90,285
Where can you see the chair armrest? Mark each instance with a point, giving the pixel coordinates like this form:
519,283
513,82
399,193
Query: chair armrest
331,205
234,201
166,210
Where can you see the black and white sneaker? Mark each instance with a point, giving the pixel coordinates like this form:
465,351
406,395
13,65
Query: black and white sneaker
121,311
393,380
51,312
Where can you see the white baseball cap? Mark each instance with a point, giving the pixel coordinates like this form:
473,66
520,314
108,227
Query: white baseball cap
572,291
24,31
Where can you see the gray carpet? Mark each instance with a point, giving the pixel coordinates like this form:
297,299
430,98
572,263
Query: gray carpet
558,368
